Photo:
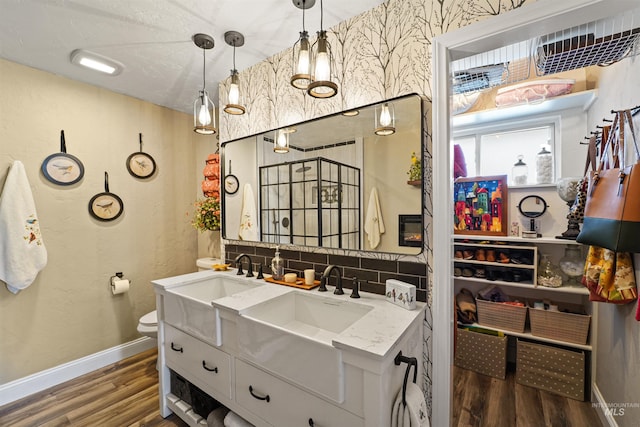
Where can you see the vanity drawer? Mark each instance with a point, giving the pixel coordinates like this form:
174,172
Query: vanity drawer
286,405
187,355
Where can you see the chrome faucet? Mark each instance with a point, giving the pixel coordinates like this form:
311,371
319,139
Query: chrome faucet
325,277
238,262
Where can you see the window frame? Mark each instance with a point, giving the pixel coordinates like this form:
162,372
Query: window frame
511,125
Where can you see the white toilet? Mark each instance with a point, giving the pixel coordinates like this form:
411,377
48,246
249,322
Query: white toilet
148,324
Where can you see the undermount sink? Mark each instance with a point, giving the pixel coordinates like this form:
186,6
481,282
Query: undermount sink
188,307
292,335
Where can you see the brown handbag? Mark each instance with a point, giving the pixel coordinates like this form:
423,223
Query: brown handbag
612,210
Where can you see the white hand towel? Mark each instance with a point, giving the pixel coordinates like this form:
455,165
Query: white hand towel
248,220
234,420
373,224
22,251
414,414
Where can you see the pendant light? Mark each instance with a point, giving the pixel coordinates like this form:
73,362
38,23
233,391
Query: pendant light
281,141
301,77
234,106
321,85
204,118
385,119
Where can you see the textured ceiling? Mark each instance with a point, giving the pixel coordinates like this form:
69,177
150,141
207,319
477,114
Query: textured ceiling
152,38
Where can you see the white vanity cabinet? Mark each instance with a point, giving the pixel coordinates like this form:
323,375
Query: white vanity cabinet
210,367
281,404
268,397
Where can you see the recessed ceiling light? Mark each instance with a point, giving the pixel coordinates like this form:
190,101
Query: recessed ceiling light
96,62
351,113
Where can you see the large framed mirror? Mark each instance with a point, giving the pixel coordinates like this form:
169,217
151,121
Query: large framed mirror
345,181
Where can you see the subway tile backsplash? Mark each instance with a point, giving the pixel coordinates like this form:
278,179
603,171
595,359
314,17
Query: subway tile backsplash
371,272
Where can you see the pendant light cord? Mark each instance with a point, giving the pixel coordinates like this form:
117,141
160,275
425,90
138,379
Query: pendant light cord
234,53
321,16
303,9
204,69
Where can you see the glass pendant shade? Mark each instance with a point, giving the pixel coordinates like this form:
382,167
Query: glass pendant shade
234,98
234,105
204,112
385,120
301,76
321,85
281,141
204,119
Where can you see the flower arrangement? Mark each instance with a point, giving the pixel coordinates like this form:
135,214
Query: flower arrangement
415,170
206,215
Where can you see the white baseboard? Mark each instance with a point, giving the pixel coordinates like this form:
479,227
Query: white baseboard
606,418
42,380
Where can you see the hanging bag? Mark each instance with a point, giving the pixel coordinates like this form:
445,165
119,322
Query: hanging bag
609,276
576,211
612,210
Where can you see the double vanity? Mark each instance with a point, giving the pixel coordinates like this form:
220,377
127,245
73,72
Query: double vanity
280,356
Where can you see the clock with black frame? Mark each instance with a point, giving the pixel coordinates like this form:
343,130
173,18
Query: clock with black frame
231,183
140,164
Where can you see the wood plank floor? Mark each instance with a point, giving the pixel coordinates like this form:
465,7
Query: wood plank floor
122,394
483,401
126,394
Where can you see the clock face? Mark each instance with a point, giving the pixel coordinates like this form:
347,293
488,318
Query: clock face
105,206
141,165
62,169
231,184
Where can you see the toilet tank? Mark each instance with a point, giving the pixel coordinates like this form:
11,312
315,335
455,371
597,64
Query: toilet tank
207,263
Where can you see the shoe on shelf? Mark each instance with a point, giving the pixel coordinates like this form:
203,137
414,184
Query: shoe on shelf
503,258
480,255
491,255
479,273
468,255
467,272
457,255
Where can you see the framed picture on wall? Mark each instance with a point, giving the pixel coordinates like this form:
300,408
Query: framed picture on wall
480,205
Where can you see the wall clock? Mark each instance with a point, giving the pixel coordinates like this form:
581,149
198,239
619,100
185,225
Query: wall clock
140,164
231,183
106,206
62,168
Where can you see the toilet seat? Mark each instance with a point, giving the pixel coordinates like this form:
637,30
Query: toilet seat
150,319
148,324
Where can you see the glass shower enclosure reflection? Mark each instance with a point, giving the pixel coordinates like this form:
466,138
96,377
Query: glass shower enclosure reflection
311,202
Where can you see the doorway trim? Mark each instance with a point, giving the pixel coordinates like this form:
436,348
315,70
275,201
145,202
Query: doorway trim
541,17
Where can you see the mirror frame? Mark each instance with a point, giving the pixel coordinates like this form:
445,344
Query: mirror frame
422,119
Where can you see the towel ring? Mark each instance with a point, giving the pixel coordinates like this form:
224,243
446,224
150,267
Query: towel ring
410,361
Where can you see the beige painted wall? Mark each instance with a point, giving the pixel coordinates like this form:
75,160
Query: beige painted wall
386,169
69,311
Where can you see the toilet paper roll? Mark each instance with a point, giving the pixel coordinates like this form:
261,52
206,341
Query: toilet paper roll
119,286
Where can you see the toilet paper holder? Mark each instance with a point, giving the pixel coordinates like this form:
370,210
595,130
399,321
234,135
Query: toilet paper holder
115,283
117,276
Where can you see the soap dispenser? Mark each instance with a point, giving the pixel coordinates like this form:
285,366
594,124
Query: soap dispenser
277,265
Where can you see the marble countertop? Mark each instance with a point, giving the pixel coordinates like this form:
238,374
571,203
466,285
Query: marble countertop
374,334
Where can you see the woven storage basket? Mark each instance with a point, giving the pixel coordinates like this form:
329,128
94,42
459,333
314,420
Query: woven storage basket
559,326
501,316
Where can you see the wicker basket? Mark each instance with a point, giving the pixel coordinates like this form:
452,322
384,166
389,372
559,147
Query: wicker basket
501,316
559,326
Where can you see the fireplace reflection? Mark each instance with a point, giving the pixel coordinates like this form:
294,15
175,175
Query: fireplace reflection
410,230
